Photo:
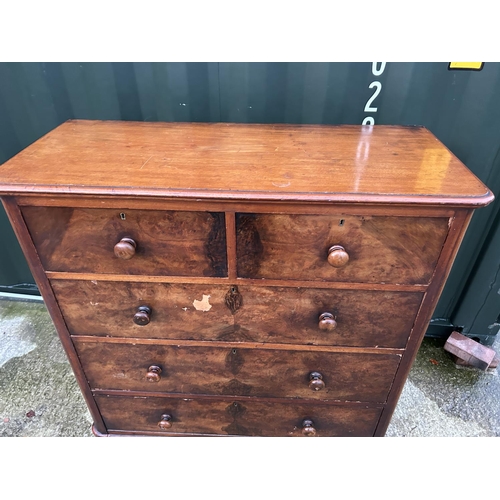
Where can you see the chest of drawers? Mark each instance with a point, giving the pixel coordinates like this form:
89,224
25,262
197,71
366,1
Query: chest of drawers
230,279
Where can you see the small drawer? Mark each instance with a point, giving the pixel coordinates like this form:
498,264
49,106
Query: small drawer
361,318
145,242
397,250
238,371
164,416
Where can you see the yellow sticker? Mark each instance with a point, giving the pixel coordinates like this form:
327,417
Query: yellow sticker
466,65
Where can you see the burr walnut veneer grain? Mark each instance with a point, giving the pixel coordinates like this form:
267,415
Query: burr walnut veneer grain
238,371
84,240
379,249
363,317
250,417
239,279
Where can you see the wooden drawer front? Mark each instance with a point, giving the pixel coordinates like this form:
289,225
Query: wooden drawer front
247,372
264,314
108,308
291,315
168,243
400,250
226,417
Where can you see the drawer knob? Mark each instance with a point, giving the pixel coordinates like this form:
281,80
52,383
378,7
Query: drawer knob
308,428
153,374
327,322
142,316
337,256
125,248
165,422
316,381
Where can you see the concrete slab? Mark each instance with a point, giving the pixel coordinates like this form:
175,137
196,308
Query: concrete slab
39,395
441,399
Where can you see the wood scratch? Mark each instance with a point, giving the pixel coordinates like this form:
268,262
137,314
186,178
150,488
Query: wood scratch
146,161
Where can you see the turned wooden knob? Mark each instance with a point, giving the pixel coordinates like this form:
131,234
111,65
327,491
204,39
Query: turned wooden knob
153,374
142,316
125,248
327,322
165,422
308,428
316,381
337,256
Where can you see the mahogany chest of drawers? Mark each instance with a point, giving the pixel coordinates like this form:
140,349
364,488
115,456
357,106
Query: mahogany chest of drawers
231,279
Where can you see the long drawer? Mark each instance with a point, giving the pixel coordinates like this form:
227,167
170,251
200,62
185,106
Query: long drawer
343,376
233,417
238,313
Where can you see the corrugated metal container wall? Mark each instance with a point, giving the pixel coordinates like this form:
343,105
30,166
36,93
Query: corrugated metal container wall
460,107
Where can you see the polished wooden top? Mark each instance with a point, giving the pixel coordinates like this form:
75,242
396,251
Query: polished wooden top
353,163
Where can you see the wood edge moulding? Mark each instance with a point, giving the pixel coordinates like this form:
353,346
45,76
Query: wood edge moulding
304,207
218,398
388,287
238,345
250,196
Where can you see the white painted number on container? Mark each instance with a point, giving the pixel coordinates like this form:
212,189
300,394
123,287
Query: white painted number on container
378,88
377,70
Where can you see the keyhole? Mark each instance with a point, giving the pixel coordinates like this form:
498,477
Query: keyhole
341,223
122,216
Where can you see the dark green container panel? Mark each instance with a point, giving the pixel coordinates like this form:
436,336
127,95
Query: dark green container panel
460,107
478,309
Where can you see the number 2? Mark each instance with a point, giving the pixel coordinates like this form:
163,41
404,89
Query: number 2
378,88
